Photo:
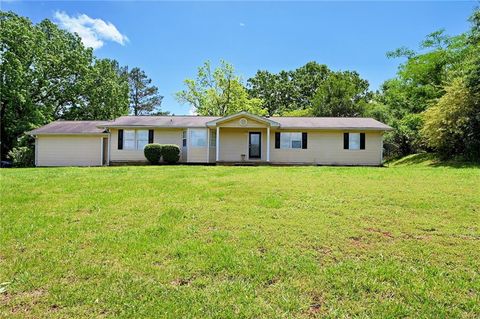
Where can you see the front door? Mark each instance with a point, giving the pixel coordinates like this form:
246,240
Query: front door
254,145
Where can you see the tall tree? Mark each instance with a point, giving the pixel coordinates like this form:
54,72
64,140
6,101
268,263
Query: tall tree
445,68
452,123
104,92
288,91
341,94
144,97
218,92
45,74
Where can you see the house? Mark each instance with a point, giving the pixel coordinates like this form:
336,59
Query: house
238,138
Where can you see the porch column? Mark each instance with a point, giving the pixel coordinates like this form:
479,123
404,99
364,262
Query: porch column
268,143
217,145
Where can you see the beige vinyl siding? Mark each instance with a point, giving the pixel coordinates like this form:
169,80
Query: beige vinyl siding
68,150
326,147
161,136
234,143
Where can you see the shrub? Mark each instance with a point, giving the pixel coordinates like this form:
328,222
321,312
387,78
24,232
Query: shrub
452,124
22,156
153,152
170,153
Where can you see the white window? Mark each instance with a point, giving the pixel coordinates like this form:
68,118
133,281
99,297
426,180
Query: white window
354,141
184,138
198,138
135,139
291,140
142,139
129,139
213,139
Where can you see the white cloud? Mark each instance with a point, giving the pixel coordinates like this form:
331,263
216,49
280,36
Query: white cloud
93,32
242,24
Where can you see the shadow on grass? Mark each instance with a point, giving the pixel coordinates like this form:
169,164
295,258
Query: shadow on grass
432,160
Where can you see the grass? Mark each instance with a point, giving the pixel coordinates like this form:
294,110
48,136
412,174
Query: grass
230,242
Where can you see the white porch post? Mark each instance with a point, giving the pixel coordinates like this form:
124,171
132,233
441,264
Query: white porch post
268,143
217,145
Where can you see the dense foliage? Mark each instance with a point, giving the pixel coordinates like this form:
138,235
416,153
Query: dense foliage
46,74
22,156
218,92
434,100
170,153
153,153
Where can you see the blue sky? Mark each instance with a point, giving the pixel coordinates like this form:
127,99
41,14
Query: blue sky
169,40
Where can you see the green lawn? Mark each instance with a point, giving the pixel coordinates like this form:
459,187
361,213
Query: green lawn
228,242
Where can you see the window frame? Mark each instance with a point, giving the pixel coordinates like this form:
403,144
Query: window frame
354,134
213,139
194,138
298,139
135,140
184,138
132,140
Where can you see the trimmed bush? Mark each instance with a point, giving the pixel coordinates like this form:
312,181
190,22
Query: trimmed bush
153,152
170,153
22,156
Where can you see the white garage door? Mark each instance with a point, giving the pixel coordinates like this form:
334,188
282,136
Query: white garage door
68,150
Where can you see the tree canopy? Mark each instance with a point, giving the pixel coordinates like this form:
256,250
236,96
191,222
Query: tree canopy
288,91
218,92
46,73
433,101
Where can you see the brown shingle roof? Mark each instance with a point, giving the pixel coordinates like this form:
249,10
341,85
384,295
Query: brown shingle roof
162,121
331,123
285,122
70,127
184,121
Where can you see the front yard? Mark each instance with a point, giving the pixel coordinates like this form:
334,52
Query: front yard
229,242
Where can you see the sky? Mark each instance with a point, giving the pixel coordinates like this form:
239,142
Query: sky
170,40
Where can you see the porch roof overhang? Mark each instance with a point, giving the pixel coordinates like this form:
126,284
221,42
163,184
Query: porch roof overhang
243,114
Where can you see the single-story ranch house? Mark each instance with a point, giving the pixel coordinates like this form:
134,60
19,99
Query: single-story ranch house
238,138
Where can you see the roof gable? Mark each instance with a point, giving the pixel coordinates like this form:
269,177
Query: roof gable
243,114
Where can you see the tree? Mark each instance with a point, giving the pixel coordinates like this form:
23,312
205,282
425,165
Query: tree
422,82
45,74
218,93
104,93
341,94
451,123
288,91
144,97
272,89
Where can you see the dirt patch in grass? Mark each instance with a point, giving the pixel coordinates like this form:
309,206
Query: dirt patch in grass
181,282
316,306
381,232
22,302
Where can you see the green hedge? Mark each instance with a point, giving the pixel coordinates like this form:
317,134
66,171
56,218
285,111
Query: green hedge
153,153
170,153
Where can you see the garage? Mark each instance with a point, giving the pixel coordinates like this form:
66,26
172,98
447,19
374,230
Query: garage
62,144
